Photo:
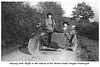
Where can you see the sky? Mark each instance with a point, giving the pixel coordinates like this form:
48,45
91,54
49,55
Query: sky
68,7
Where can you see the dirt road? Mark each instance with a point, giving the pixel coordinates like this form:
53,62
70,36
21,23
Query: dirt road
22,54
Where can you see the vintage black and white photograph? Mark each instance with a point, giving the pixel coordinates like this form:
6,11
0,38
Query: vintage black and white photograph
49,31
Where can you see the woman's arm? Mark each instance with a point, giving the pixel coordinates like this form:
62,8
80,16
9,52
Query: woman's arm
54,24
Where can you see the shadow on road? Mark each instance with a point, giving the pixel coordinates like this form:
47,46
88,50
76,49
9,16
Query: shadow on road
24,50
69,49
53,49
48,49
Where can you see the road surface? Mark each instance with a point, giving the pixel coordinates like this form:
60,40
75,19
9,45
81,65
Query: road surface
22,54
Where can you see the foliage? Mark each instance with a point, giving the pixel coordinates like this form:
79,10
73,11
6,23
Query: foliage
53,7
87,32
90,30
82,11
89,49
19,20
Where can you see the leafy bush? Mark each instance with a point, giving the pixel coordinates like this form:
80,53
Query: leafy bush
19,20
89,49
90,30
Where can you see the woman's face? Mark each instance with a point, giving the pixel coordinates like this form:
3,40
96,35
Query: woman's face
65,26
49,16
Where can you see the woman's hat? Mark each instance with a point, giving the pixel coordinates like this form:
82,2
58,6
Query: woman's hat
49,14
65,22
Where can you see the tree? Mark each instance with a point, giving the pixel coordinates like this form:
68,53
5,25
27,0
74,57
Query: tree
18,22
53,7
83,11
9,21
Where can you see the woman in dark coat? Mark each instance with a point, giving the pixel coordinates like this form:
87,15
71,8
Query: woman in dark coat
70,34
49,24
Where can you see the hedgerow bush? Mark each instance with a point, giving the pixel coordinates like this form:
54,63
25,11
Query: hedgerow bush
89,49
19,20
88,36
89,29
